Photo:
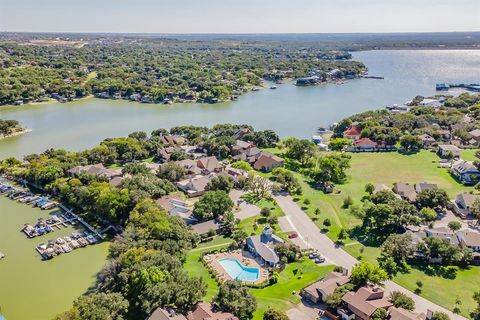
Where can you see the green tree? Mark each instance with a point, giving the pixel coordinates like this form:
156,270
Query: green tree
100,306
213,204
379,314
369,188
272,314
237,299
365,272
438,315
242,165
454,226
339,144
222,182
172,172
432,198
401,300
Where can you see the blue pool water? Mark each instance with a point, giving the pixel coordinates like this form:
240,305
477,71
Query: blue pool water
238,271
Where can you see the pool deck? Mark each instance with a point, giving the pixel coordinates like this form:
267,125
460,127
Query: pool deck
244,257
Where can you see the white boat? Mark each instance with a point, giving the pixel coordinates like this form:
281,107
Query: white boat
2,255
273,87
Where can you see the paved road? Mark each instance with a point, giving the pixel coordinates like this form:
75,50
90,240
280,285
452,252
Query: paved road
310,234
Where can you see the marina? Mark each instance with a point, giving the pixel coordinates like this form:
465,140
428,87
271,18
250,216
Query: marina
63,218
475,87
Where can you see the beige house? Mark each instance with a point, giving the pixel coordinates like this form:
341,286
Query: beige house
363,303
319,291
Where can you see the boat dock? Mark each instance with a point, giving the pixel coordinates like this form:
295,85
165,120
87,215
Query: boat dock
447,86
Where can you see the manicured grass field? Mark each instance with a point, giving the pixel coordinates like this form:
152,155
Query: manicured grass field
195,267
445,291
280,295
388,168
247,224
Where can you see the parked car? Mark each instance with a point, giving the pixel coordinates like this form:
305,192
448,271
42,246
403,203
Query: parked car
319,260
292,235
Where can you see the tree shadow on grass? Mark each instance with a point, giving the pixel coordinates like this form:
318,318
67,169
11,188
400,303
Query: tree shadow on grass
446,272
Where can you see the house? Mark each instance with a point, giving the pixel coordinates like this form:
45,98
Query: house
365,144
263,247
475,135
163,314
95,169
206,227
190,165
240,147
195,186
353,132
210,164
176,206
403,314
432,103
443,233
466,172
173,140
363,303
405,190
448,150
381,187
319,291
250,155
165,153
419,187
267,162
462,204
205,311
427,140
469,239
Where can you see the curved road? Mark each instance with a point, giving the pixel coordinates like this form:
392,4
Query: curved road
311,237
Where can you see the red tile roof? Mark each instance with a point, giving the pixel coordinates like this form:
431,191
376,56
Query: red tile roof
353,131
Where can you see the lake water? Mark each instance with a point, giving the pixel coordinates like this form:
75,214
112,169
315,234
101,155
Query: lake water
31,288
34,289
290,110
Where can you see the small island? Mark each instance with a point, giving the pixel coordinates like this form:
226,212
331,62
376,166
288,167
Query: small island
10,128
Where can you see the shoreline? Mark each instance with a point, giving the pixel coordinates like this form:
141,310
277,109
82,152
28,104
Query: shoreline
49,101
14,134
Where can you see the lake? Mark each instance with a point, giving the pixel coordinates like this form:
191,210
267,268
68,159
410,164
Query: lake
31,288
290,110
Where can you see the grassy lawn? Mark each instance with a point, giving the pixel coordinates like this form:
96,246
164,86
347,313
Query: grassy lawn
195,267
247,225
469,154
445,291
279,296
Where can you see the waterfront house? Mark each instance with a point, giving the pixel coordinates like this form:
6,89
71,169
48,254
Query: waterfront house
319,291
240,147
448,150
95,169
263,247
206,311
462,204
353,132
419,187
173,140
206,226
466,172
405,190
164,314
250,155
267,161
469,239
432,103
362,304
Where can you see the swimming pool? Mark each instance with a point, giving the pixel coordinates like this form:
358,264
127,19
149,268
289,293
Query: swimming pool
238,271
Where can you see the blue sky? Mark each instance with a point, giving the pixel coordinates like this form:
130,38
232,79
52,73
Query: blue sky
239,16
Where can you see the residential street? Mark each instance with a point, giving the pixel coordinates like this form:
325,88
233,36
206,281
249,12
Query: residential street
311,236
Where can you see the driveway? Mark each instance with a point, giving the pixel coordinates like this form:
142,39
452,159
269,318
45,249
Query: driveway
313,238
245,209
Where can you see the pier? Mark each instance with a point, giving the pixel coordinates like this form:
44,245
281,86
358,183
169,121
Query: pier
447,86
